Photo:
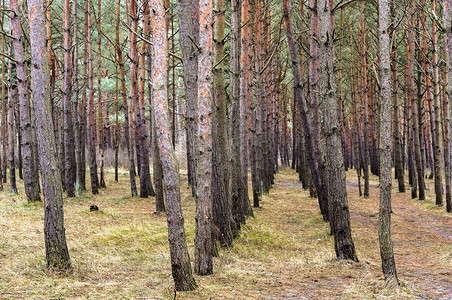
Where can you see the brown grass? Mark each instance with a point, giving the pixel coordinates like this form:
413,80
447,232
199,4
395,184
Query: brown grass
283,253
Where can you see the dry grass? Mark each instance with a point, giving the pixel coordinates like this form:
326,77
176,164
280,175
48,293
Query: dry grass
284,252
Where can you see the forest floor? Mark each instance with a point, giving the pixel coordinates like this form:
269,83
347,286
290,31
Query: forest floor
284,252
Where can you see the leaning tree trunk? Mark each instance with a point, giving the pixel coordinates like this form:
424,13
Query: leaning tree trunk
384,220
180,260
57,254
30,179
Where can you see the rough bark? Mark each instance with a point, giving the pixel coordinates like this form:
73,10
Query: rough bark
57,254
437,107
203,232
75,105
100,136
30,178
395,98
189,51
447,11
12,95
337,194
384,220
69,143
180,260
91,117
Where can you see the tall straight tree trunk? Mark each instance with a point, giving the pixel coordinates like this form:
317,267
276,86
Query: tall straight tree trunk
222,214
298,95
100,137
69,143
319,175
125,106
4,112
3,125
189,51
91,117
180,260
418,132
437,107
447,11
243,208
57,254
203,234
75,105
12,95
156,161
447,15
83,106
237,183
30,179
337,194
365,106
395,98
146,188
384,220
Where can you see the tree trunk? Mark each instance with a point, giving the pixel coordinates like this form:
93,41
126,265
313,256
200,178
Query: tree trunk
447,11
384,220
125,107
237,183
30,179
437,107
337,194
100,137
57,254
203,234
12,95
91,117
187,40
69,143
395,98
75,105
180,260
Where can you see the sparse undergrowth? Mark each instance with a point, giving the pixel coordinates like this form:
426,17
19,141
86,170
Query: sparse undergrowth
284,252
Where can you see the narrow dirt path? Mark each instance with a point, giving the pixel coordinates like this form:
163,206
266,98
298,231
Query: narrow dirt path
422,239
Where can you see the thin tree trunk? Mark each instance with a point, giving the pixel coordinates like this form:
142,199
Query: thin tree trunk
91,117
447,11
75,105
187,40
100,137
125,107
69,143
395,98
384,220
12,95
437,107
